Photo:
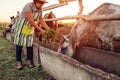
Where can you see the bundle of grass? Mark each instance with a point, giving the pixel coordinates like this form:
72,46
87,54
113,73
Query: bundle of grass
50,36
50,39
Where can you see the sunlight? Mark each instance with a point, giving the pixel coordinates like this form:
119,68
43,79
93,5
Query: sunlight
68,21
9,8
71,9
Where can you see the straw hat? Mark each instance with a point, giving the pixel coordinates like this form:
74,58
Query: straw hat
44,1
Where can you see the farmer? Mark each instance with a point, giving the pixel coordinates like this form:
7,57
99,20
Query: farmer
24,29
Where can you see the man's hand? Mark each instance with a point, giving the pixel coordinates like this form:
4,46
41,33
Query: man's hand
42,32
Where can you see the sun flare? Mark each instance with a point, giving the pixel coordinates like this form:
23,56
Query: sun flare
68,21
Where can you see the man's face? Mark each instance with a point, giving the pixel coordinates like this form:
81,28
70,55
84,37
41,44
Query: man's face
39,5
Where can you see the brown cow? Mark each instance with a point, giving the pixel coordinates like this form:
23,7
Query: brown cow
51,24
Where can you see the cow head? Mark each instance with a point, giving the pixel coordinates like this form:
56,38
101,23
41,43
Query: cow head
65,46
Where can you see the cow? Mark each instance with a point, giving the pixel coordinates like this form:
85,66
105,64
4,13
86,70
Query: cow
8,27
105,32
104,21
51,24
69,42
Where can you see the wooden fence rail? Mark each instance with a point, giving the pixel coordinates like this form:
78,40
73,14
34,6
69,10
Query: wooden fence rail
88,17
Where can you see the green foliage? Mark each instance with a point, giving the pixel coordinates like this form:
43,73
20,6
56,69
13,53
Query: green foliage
2,28
50,36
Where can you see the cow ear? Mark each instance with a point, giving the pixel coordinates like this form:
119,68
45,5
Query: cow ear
65,38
